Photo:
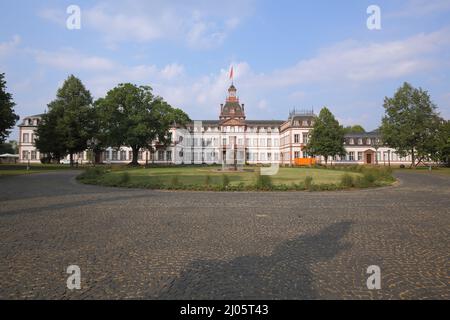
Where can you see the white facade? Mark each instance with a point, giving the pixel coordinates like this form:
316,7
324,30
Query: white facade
231,139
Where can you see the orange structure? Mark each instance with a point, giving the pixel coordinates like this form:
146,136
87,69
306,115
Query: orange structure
304,161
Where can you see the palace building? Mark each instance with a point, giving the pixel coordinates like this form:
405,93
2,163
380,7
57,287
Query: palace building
232,140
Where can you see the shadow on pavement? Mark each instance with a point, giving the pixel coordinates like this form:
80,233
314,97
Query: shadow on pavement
283,275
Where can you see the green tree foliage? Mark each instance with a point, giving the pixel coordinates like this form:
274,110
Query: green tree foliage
7,116
131,115
354,129
327,136
9,147
49,140
69,122
411,123
443,143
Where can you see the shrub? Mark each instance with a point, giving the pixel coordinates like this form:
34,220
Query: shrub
308,182
225,181
124,178
175,181
369,177
347,180
263,182
92,173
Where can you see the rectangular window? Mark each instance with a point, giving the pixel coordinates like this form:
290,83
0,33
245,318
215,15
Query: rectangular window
305,154
261,142
360,155
296,154
275,142
169,155
224,141
269,142
160,155
123,155
26,138
351,156
275,156
305,138
262,156
255,142
33,155
114,155
296,138
140,155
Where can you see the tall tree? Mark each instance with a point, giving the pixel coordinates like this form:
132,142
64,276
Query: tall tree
7,116
49,139
71,114
132,116
411,123
8,147
327,136
354,129
443,144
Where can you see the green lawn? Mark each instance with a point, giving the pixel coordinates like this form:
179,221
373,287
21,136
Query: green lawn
197,175
212,178
17,169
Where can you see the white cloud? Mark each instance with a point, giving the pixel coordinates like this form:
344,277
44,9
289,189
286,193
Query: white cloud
198,24
355,62
69,59
342,66
8,47
172,71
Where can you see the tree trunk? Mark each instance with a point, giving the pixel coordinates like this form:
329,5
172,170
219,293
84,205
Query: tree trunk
135,162
413,159
71,159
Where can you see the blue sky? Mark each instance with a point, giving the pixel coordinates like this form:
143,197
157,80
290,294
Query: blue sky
286,54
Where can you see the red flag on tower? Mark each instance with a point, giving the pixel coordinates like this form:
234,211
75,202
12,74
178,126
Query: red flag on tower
231,73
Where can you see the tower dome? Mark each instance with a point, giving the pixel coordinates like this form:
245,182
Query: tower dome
232,108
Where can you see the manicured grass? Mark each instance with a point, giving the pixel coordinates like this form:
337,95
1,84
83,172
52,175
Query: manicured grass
212,178
18,169
197,175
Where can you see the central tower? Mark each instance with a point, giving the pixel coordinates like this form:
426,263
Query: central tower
232,110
